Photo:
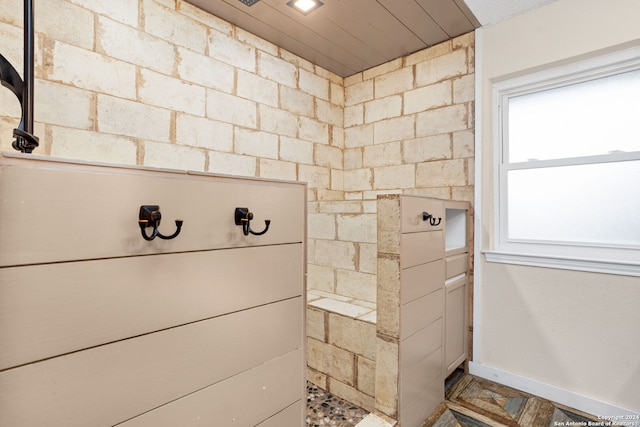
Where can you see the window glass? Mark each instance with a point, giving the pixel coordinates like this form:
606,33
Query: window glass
584,204
582,119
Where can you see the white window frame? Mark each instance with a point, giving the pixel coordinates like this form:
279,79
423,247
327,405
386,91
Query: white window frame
584,257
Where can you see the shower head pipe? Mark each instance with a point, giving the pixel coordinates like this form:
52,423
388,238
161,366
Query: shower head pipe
25,140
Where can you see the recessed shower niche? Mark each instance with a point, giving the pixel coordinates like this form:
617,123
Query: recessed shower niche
455,235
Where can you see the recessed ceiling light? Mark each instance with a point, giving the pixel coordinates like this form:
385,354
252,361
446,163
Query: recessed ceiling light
305,6
249,2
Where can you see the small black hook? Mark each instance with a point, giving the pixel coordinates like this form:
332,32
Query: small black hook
432,220
243,217
150,217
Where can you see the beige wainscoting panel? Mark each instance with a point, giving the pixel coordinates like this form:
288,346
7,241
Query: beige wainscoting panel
418,378
424,342
107,385
416,411
94,213
288,417
420,248
457,264
421,312
456,342
412,209
244,400
420,280
100,327
52,309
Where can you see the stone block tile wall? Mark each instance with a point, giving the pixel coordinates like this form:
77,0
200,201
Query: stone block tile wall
408,128
342,248
409,125
161,83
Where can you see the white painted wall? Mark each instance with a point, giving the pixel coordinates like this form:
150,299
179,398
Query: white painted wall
492,11
570,336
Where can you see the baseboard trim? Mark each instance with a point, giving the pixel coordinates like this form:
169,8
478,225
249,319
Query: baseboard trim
550,392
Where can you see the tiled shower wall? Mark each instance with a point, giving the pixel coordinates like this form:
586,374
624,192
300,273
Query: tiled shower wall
161,83
408,128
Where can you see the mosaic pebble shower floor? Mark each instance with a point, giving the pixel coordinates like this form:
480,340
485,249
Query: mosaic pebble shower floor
325,409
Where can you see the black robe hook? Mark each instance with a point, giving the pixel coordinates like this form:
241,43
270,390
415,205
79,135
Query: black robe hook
432,220
243,217
150,217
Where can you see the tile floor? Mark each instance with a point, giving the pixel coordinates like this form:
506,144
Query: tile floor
476,402
470,402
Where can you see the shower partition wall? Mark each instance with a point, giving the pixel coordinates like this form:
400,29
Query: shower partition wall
422,316
101,326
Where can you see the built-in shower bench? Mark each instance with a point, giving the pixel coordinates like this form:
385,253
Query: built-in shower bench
341,338
343,305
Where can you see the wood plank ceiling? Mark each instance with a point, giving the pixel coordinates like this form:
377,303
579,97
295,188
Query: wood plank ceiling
349,36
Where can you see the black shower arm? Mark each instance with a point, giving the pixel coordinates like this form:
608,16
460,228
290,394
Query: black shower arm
25,141
10,78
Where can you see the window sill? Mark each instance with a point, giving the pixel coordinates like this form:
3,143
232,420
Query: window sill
623,268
